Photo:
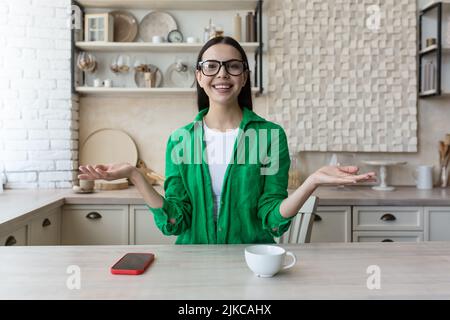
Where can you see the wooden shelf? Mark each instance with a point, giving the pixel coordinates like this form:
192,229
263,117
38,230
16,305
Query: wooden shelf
432,3
427,93
133,92
432,94
152,47
433,48
429,49
233,5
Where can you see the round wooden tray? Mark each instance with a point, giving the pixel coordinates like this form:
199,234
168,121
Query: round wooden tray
109,146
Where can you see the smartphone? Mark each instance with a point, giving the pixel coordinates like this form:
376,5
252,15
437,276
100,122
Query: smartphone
133,263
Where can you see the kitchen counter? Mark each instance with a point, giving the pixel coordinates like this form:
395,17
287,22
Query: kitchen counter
18,205
323,271
401,196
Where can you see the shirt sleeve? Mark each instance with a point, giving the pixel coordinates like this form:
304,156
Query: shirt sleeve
275,185
176,202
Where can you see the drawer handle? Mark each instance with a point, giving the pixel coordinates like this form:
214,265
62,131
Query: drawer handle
94,215
46,223
10,241
387,240
388,217
317,218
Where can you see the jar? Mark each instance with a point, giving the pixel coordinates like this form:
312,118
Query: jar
294,173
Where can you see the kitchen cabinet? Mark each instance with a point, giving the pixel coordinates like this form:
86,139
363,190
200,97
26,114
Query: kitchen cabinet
332,224
437,223
17,237
94,225
387,236
143,229
387,224
387,218
191,17
45,228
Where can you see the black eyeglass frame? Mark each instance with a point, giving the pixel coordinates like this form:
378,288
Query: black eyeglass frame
224,64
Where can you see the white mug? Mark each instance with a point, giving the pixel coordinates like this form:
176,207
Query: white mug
192,40
267,260
107,83
423,176
157,39
97,83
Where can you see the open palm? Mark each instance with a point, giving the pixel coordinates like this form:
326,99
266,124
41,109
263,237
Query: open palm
332,175
112,171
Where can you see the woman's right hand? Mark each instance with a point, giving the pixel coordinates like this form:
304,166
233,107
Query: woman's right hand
111,171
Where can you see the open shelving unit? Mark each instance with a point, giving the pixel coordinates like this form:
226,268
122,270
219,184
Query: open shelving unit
254,48
436,53
138,92
153,47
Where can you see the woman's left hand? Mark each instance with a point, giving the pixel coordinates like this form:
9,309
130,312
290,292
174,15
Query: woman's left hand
340,175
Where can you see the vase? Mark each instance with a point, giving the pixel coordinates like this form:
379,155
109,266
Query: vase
444,176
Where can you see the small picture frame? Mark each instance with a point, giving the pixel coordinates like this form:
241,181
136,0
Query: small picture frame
99,27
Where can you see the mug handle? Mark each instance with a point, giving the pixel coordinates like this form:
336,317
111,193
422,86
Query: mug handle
294,260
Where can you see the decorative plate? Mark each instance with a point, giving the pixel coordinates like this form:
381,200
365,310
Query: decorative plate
156,23
179,75
125,26
77,189
139,77
108,146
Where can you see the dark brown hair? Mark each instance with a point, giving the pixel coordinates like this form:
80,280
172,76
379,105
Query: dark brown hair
245,96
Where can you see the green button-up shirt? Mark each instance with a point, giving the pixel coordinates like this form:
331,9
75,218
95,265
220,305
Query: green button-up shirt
254,185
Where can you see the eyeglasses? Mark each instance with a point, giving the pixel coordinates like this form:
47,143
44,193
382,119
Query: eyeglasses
212,67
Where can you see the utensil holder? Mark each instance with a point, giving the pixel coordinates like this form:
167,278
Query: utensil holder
444,176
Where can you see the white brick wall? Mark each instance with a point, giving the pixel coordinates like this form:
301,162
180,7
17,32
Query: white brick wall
38,119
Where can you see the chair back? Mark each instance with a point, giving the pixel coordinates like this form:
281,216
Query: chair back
301,225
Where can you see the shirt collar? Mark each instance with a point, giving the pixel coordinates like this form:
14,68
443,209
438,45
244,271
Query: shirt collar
247,117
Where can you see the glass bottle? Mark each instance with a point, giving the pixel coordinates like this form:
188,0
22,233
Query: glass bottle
294,173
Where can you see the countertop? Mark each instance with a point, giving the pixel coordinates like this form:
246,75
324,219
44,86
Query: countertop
18,205
323,271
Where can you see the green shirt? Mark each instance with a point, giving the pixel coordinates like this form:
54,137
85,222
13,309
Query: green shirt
250,200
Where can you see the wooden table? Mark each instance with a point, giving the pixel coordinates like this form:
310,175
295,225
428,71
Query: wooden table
323,271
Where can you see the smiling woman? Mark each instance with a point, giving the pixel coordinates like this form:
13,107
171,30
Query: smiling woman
242,198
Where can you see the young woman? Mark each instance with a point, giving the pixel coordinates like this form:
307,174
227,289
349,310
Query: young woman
226,172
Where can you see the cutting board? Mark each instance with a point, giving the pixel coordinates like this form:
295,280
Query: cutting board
111,185
109,146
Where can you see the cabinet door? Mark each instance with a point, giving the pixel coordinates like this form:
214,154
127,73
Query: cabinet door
46,229
17,237
332,224
387,236
437,223
94,225
366,218
143,229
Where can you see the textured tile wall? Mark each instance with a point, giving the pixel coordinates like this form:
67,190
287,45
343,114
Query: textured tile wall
339,81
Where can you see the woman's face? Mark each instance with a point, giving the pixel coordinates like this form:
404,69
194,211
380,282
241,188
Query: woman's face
222,88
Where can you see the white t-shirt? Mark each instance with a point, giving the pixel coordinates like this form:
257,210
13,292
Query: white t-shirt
219,149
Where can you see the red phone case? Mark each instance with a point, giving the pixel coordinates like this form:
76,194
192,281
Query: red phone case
141,270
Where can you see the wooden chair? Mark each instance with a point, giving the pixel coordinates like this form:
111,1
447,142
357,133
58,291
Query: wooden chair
302,223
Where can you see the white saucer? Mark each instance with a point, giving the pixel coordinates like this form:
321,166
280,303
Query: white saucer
77,189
